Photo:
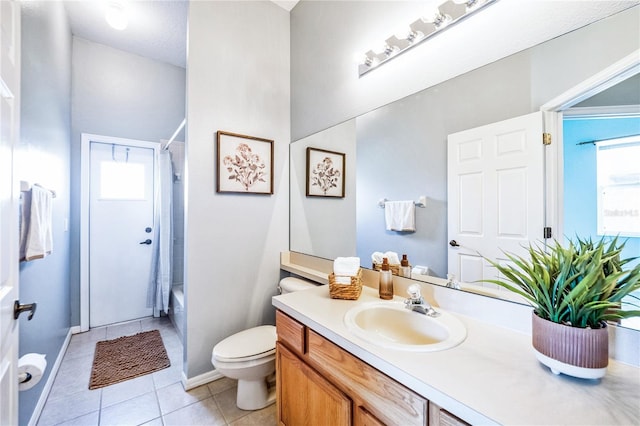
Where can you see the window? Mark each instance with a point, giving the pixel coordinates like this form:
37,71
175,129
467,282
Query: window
121,181
618,168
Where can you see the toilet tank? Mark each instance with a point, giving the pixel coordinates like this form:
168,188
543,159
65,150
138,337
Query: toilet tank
291,284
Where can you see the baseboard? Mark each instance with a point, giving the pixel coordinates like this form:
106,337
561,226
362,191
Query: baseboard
200,380
75,329
35,416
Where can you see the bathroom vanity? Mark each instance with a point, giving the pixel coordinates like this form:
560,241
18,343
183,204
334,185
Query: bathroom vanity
328,374
319,380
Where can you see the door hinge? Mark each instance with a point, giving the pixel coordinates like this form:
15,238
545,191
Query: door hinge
546,138
547,232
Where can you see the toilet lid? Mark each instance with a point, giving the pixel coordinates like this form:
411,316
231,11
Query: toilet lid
257,341
291,284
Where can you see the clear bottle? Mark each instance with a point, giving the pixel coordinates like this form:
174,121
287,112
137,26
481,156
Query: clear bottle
405,268
385,290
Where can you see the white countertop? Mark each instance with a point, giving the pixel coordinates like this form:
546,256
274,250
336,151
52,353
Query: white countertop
492,377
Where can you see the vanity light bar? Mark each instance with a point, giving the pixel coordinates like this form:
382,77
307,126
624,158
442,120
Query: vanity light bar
444,16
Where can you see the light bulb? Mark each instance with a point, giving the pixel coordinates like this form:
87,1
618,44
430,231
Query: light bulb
471,4
431,15
116,16
415,36
380,48
403,32
362,58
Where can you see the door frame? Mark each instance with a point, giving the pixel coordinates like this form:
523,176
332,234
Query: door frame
85,183
553,114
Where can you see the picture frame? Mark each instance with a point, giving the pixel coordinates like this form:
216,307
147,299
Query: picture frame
325,173
244,163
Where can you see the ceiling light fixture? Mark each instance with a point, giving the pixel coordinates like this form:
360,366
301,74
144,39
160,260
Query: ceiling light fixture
116,15
444,16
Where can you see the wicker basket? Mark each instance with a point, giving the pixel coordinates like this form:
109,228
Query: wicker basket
349,291
393,267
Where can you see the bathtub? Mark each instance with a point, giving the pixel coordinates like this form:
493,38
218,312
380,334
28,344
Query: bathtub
176,309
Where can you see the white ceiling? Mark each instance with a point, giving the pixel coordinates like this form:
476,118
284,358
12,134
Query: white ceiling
158,28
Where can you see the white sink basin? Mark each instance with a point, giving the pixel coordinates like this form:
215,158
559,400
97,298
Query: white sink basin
391,325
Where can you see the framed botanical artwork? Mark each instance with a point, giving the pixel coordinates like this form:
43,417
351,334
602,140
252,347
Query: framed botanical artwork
245,164
325,173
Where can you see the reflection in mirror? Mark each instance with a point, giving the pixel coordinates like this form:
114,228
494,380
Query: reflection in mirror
598,201
324,227
401,155
398,159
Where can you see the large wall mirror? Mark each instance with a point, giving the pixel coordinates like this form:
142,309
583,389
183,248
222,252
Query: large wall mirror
399,152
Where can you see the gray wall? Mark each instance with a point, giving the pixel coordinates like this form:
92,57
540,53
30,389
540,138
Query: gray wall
401,146
326,89
238,81
626,92
43,157
402,154
119,94
325,227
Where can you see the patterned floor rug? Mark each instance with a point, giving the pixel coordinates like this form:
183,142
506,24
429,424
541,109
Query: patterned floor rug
127,357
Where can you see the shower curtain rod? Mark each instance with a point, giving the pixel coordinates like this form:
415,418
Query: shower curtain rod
607,140
175,134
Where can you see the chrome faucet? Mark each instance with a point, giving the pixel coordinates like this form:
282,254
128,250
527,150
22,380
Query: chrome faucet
416,302
452,283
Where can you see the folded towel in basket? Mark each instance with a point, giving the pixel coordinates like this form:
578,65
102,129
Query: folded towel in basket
344,268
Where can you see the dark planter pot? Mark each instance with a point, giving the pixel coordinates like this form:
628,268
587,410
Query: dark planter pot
577,352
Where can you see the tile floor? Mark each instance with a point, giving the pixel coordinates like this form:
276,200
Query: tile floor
155,399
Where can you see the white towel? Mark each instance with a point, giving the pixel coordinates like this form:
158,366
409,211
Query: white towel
39,241
344,268
400,215
392,257
376,257
25,214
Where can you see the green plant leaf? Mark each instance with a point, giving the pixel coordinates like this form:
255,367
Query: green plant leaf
582,283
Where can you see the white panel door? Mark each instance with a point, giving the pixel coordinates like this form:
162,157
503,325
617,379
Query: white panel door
9,133
495,185
121,220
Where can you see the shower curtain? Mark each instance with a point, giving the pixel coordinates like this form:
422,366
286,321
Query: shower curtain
161,270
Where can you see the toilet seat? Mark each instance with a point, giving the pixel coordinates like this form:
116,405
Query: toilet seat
247,345
293,284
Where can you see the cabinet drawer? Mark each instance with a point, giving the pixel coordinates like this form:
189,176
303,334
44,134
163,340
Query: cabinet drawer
386,399
440,417
290,332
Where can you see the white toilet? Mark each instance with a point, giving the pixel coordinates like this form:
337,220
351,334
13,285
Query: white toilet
249,357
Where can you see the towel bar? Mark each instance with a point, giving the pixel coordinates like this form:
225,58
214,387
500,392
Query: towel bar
422,202
26,186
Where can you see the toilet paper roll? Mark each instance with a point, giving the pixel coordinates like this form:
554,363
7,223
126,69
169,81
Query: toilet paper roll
30,370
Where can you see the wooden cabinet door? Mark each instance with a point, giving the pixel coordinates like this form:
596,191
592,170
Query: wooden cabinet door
305,397
365,418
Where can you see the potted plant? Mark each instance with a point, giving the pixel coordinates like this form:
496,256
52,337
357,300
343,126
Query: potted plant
574,291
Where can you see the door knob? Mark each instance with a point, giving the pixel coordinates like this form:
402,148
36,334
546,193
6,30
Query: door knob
18,309
454,243
147,241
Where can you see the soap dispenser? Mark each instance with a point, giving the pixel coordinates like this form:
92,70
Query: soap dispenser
385,289
405,269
